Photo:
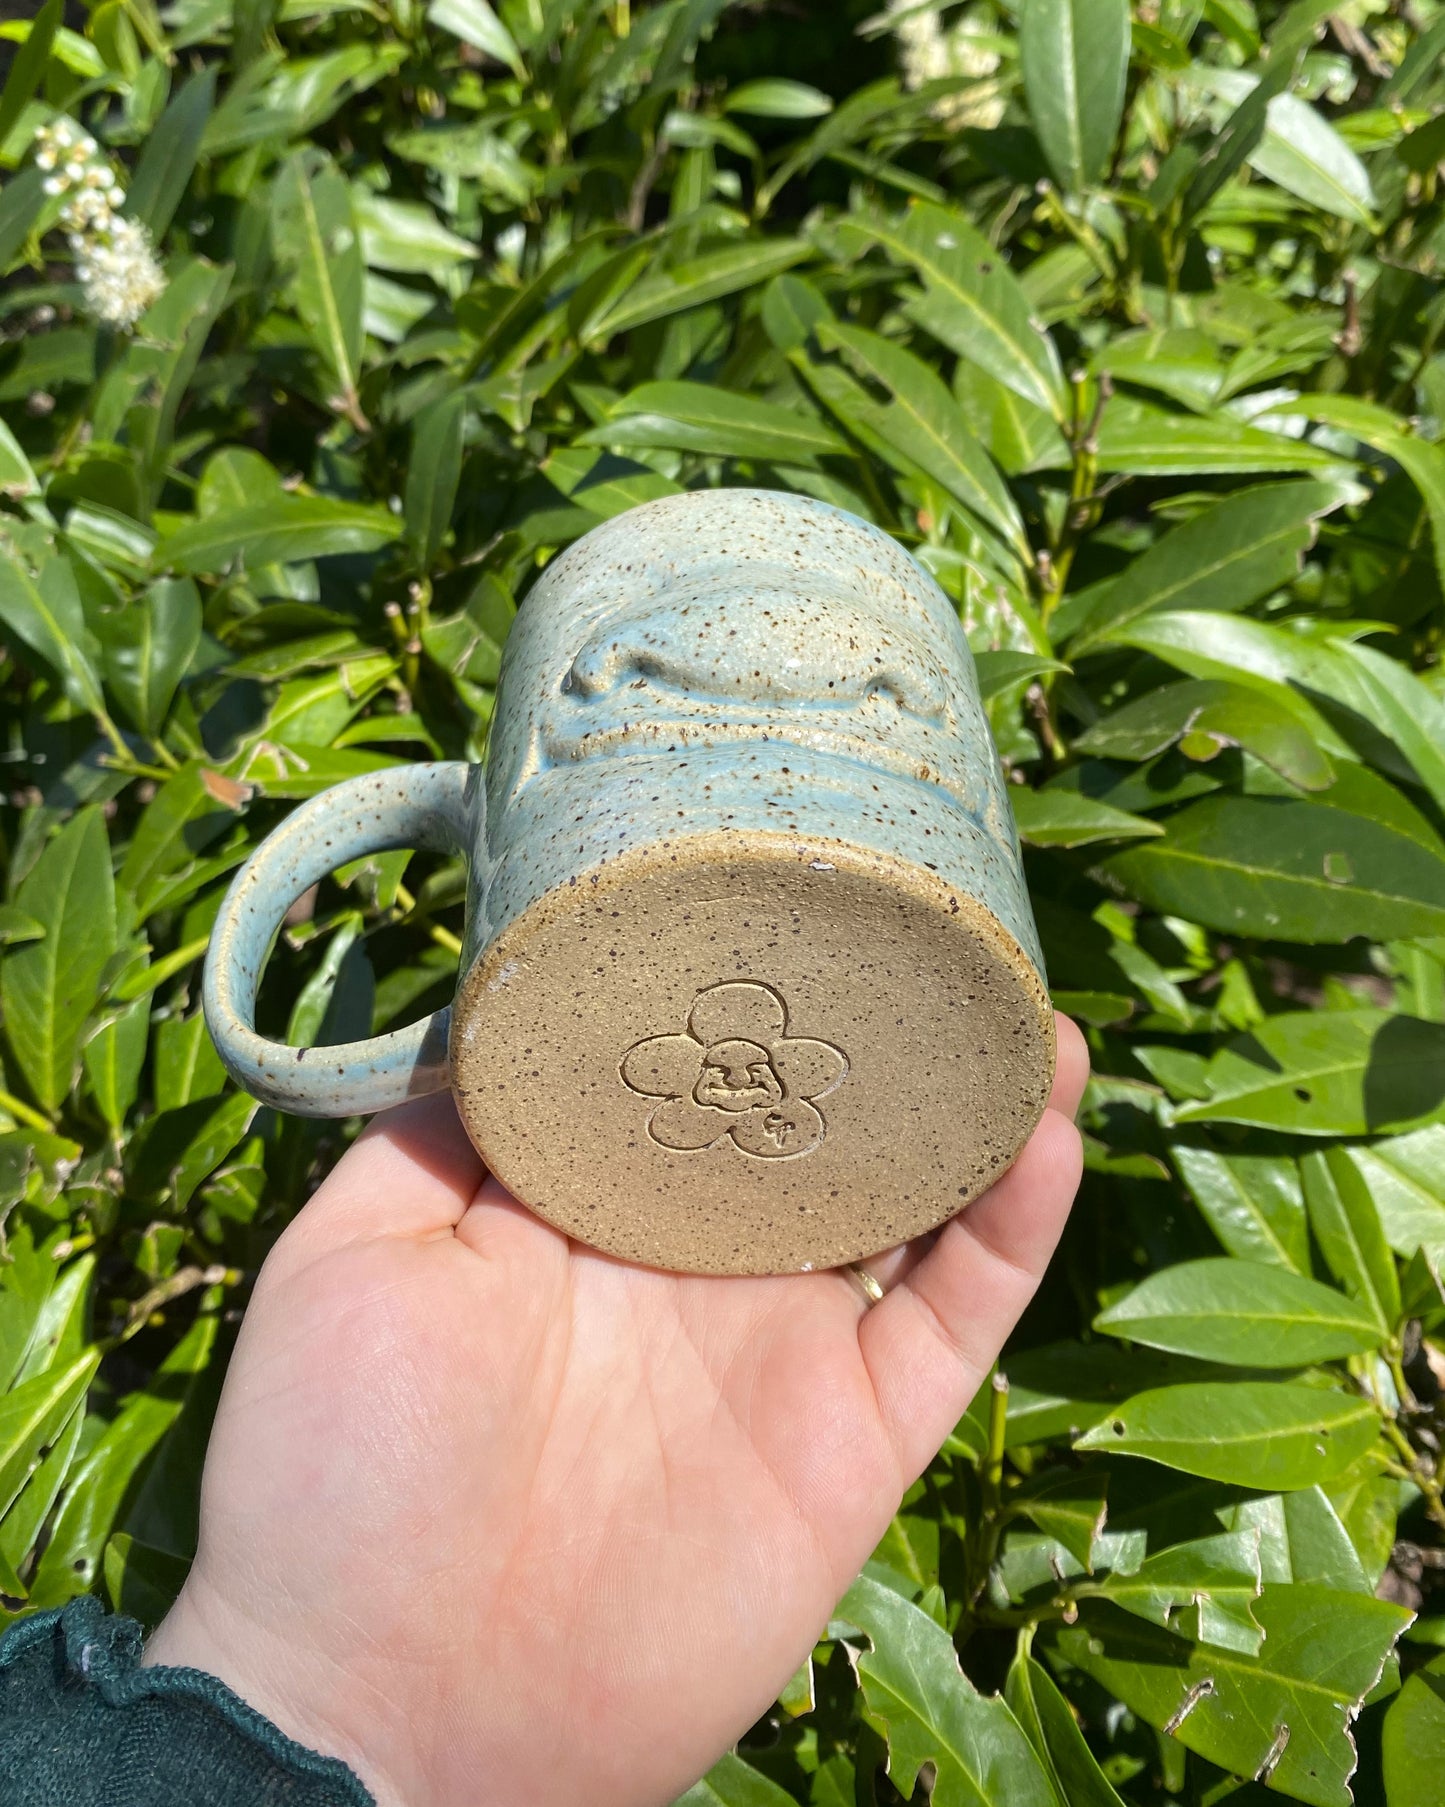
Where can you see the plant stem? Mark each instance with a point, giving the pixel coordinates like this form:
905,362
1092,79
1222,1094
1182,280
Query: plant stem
983,1548
23,1112
992,1473
1424,1477
442,937
184,1280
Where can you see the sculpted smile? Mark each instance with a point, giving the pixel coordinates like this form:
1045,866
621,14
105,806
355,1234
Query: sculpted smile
908,753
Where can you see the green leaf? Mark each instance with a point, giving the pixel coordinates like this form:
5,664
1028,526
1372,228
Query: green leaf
1243,1312
1052,1729
147,648
21,199
1365,685
1347,1228
732,1783
31,1416
1018,435
1327,1073
1253,1433
1205,715
1414,1739
405,235
1180,361
999,672
1301,1538
15,925
142,1582
27,68
1286,870
1203,1590
916,1697
1227,148
773,98
316,237
62,1328
922,422
1138,439
17,479
45,614
603,483
475,23
187,1065
100,1481
113,1058
1425,464
791,309
1075,59
1070,1508
21,1526
695,281
972,301
49,987
1302,152
287,527
1253,1203
1405,1176
1065,818
473,152
163,169
1224,557
697,417
314,1000
1323,1652
176,1150
1062,1388
1404,708
434,472
188,813
26,1281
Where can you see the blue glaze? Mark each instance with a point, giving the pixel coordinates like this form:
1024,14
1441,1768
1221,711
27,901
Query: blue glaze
743,658
438,807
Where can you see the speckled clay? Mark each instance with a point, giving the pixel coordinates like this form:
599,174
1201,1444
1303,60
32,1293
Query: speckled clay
750,981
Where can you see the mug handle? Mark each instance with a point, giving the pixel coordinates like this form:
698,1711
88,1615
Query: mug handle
434,807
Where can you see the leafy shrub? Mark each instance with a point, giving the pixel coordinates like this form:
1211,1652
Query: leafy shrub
1128,329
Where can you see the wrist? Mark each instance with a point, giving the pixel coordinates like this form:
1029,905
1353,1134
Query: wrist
301,1691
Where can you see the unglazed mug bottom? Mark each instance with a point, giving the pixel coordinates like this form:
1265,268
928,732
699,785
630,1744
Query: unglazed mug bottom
741,1053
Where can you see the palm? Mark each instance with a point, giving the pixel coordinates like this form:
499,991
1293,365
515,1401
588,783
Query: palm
472,1484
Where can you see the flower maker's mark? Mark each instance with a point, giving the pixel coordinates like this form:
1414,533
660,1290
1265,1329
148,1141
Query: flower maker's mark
736,1074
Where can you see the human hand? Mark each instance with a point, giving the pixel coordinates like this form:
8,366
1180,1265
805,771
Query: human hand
495,1517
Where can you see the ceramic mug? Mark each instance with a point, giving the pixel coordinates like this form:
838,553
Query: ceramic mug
750,981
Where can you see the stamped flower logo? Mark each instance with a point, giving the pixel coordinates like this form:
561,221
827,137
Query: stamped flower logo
736,1073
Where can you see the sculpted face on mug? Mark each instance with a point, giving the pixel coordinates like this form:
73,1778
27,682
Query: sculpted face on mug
713,667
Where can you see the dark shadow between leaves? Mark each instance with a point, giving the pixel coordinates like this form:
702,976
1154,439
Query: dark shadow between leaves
1405,1078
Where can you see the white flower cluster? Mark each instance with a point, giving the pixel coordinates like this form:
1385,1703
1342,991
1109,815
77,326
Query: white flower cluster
114,259
928,53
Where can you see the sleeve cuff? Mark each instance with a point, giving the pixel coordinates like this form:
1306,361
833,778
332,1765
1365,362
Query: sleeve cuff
81,1721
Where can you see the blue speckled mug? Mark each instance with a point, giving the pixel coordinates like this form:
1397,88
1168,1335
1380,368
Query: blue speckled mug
750,981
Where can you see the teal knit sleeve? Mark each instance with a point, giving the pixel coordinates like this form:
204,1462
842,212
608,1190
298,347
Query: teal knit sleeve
83,1725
